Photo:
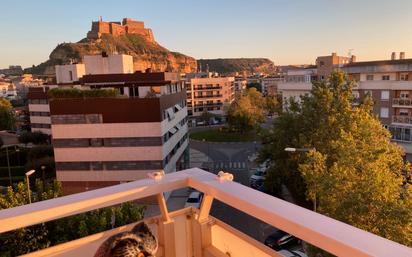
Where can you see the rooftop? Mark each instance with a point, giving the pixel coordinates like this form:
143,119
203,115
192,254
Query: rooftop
193,232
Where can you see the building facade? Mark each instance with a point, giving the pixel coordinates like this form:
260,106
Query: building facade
209,94
39,109
388,82
106,141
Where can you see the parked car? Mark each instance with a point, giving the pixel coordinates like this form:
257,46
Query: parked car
194,200
288,253
280,240
257,178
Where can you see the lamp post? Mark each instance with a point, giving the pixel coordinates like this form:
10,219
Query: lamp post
303,150
17,150
8,164
28,174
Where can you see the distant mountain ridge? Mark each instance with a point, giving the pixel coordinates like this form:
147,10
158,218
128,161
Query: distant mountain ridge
233,65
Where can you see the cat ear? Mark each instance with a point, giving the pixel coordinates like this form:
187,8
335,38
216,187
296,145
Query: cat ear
142,227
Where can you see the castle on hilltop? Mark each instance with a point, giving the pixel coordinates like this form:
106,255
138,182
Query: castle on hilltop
117,28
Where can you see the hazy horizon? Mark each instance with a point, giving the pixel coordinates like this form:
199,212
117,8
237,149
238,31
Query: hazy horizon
287,32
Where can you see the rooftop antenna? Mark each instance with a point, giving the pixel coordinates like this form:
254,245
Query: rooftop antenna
100,18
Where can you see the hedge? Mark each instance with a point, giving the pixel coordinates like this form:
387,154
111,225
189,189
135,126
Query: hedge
77,93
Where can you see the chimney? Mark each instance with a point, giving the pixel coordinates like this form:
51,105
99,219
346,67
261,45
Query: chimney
393,56
334,54
353,58
401,55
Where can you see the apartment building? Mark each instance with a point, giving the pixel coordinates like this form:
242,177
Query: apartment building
69,75
39,109
103,141
389,82
209,93
297,82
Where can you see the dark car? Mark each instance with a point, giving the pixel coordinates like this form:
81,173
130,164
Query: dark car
281,240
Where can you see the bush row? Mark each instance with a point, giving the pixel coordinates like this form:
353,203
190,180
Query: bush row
77,93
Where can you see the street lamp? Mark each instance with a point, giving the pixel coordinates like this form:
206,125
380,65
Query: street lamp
292,149
28,174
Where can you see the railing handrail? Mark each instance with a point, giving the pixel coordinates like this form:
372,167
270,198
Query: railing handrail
331,235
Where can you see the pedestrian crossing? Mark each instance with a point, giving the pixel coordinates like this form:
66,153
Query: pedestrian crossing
230,165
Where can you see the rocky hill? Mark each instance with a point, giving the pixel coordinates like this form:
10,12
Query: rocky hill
232,65
145,54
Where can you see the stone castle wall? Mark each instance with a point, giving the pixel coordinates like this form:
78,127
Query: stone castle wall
128,26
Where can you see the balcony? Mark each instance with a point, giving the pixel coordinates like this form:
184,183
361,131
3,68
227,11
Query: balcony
208,105
207,88
208,96
403,119
193,232
402,102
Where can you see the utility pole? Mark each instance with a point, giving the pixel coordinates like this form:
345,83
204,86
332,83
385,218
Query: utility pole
8,165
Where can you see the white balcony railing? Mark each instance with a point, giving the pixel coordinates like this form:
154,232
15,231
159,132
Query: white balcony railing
333,236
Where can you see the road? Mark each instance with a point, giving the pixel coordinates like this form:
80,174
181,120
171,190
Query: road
233,158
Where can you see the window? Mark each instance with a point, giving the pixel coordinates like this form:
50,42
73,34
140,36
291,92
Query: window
369,77
70,75
385,77
403,112
384,95
404,94
404,76
384,112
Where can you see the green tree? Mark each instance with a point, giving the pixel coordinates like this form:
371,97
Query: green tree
40,236
207,116
36,138
273,104
354,173
7,119
247,112
255,85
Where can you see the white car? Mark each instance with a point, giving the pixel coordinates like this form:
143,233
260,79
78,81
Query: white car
194,200
288,253
257,177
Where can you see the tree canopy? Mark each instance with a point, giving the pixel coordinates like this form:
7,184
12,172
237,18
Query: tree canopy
36,237
6,116
248,111
353,172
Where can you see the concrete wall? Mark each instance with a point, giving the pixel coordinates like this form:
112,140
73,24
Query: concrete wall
113,64
69,73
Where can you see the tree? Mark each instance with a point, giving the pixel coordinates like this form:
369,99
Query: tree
36,237
273,104
207,116
247,112
36,137
255,85
353,173
6,116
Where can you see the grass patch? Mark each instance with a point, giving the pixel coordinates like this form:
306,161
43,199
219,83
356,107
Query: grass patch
223,135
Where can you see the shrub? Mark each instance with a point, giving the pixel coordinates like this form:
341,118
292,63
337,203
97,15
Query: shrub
57,93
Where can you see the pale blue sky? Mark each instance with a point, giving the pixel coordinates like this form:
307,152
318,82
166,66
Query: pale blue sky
286,31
